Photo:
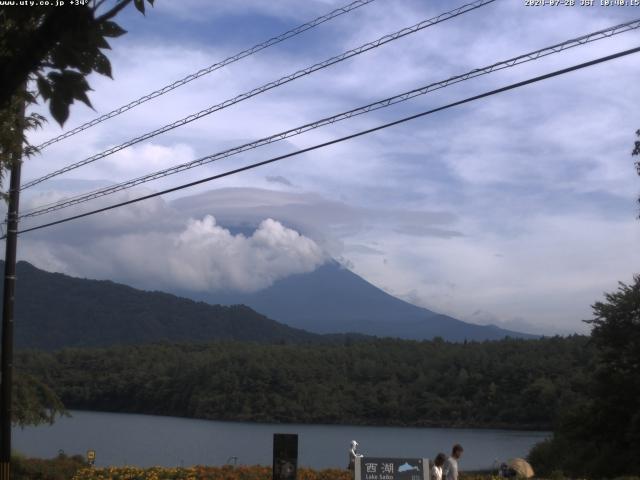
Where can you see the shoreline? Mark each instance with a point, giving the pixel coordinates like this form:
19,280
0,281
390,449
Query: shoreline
434,425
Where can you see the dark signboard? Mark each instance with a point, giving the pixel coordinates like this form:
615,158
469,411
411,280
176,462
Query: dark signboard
380,468
285,456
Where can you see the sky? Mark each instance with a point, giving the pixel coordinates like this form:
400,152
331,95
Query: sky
517,210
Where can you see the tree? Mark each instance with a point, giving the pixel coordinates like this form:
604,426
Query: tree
58,47
35,403
601,436
636,151
13,128
54,49
616,406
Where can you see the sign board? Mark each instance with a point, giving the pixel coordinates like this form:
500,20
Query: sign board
285,456
382,468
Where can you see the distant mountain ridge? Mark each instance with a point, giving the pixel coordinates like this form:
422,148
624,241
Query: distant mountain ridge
328,305
332,299
55,311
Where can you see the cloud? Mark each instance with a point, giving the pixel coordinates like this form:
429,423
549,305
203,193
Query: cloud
145,242
196,10
279,179
550,271
363,249
519,324
139,159
424,230
208,257
202,256
327,221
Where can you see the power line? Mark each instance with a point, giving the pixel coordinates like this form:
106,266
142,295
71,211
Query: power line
211,68
281,81
605,33
342,139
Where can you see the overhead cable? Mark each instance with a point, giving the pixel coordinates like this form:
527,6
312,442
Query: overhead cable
257,91
605,33
211,68
341,139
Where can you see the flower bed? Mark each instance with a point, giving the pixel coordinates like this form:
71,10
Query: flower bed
202,473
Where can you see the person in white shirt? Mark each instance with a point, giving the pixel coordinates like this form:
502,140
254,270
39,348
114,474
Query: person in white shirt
436,470
450,469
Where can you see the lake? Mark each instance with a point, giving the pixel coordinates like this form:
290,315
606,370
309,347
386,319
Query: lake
146,440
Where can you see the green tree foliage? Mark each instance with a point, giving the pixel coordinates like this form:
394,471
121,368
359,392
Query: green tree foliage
509,383
600,436
57,47
616,334
52,50
13,127
34,402
636,151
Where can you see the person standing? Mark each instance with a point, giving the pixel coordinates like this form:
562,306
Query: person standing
436,470
450,469
353,454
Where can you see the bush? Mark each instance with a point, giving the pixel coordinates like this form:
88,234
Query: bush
544,458
62,467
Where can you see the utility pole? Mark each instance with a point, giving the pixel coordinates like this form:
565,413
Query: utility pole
8,300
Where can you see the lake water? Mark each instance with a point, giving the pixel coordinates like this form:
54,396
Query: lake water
146,440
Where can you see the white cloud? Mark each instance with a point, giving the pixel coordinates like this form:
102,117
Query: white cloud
547,275
202,256
208,257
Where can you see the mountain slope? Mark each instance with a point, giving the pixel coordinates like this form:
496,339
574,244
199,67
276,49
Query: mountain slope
334,299
55,310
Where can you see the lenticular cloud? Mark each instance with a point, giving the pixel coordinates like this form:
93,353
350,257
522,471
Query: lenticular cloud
164,252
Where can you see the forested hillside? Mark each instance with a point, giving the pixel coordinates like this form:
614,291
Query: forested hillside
508,383
78,312
56,311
